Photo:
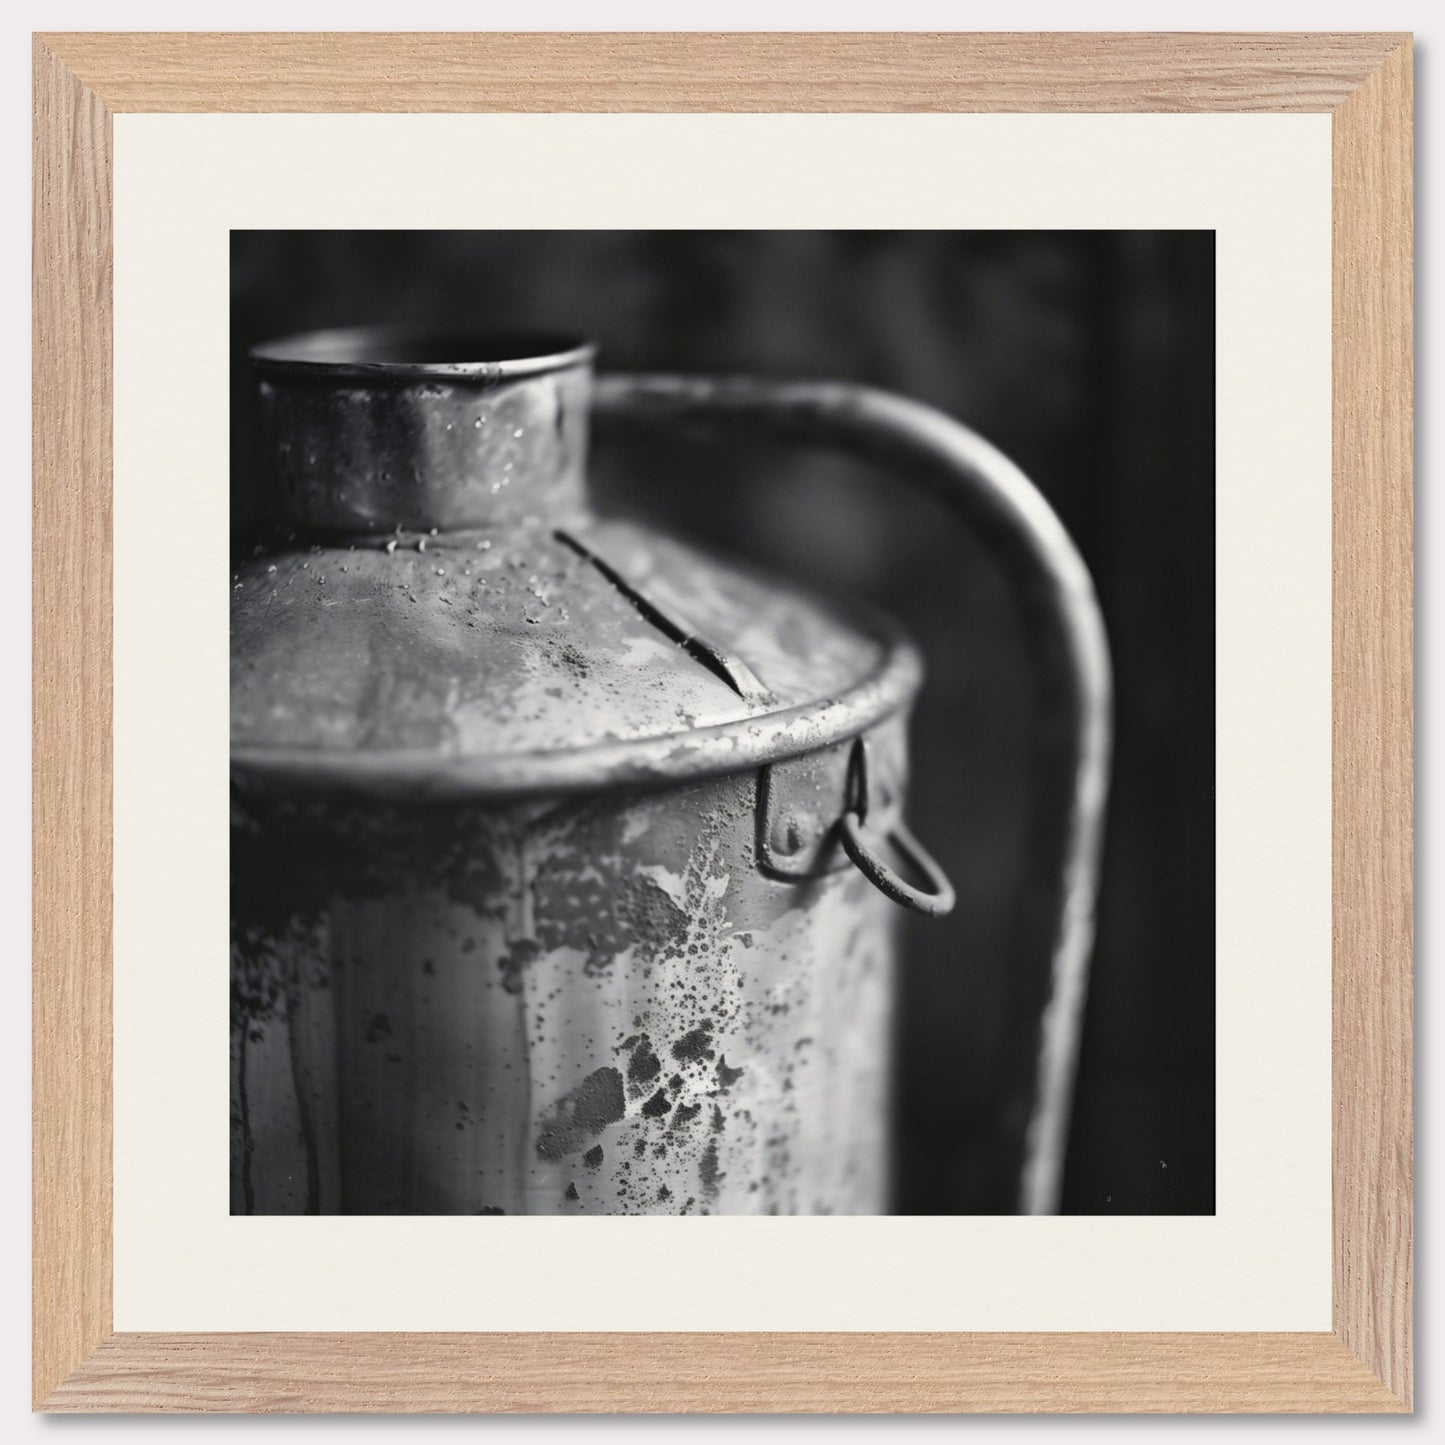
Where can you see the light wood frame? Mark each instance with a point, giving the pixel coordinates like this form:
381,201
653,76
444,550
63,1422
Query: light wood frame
1364,1364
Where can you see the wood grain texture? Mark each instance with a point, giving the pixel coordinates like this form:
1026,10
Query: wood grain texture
81,1365
1373,839
71,668
461,72
717,1373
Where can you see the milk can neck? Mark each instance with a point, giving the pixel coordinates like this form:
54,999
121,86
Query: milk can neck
371,430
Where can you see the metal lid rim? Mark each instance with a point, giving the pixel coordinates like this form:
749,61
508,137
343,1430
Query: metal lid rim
644,763
268,358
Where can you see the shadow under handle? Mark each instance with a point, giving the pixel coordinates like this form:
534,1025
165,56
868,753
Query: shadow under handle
1065,634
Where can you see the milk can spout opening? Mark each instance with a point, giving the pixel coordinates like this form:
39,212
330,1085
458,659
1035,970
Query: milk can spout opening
372,430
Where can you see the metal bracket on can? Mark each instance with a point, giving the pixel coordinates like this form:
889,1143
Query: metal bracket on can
783,852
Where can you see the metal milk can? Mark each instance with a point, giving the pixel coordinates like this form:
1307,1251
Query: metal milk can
568,861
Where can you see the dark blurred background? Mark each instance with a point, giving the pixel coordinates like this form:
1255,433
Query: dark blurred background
1089,358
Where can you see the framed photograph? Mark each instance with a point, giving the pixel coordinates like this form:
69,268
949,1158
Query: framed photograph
782,663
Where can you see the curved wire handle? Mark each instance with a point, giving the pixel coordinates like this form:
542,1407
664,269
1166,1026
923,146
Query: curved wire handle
1065,631
937,898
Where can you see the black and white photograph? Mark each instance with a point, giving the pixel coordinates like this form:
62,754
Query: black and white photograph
722,723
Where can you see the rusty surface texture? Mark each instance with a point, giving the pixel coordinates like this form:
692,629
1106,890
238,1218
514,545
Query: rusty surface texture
590,1005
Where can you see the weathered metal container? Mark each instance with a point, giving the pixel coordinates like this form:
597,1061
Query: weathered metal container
565,858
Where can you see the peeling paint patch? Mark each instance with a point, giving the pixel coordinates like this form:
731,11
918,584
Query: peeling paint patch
514,963
644,1065
695,1045
708,1172
727,1077
584,1113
